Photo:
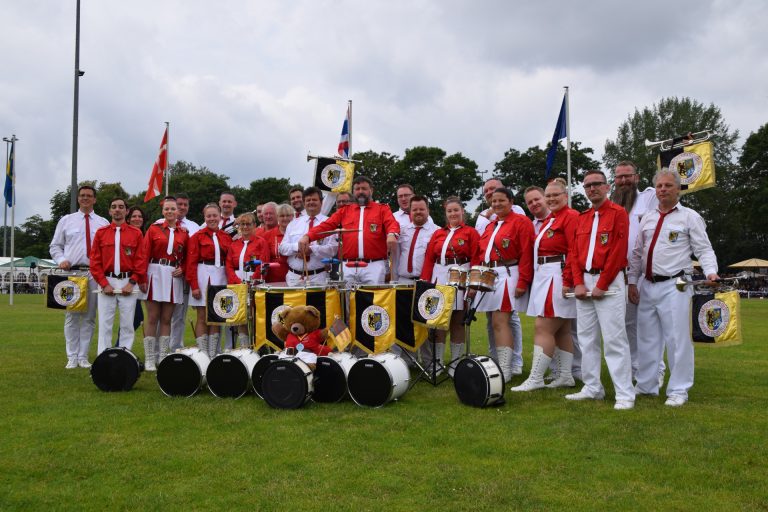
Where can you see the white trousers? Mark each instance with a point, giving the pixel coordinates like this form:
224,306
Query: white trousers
605,317
179,320
374,273
108,304
79,327
294,279
663,320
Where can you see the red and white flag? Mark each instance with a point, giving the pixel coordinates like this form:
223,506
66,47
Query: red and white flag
155,186
344,140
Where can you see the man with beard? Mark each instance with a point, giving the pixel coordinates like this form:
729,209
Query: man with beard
296,198
636,204
372,237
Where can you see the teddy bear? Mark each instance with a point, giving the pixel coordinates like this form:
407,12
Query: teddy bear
299,328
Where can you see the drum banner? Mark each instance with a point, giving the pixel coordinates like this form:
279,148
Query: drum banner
716,318
382,317
67,292
694,163
339,334
269,303
334,175
227,305
433,305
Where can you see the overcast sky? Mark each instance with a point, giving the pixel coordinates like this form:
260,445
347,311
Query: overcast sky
250,87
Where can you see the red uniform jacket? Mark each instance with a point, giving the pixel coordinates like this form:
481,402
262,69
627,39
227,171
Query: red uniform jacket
610,255
276,273
514,241
156,243
200,248
133,258
464,243
257,249
378,222
558,237
313,342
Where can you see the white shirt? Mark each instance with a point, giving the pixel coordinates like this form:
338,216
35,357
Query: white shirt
191,226
645,202
230,223
404,218
682,233
419,250
68,242
323,248
483,221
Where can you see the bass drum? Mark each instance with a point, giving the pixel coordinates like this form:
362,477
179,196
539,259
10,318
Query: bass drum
287,383
116,369
183,372
479,382
229,374
257,373
378,379
330,377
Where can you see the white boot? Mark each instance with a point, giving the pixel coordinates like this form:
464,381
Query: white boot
213,345
554,366
202,343
505,355
242,340
149,353
457,350
536,378
165,347
564,376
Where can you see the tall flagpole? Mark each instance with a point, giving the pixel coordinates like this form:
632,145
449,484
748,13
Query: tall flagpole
349,128
5,204
78,74
568,142
13,210
167,157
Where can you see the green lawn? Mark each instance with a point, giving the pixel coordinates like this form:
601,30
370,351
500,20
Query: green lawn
66,445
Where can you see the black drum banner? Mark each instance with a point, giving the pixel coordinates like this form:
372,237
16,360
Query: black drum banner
716,317
227,305
433,305
67,292
693,163
334,175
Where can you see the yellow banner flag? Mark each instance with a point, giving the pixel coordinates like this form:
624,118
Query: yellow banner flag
227,305
716,318
67,292
693,163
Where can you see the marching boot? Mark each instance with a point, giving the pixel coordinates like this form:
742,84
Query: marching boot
554,367
149,353
505,355
242,340
564,377
213,345
202,343
457,350
535,379
165,347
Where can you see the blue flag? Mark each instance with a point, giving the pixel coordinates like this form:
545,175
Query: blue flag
9,177
560,133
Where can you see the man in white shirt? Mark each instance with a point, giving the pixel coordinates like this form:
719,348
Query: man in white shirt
179,318
403,214
227,203
312,270
296,198
70,250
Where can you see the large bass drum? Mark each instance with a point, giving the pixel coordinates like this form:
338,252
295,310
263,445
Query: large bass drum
287,383
116,369
183,372
330,377
376,380
479,382
229,374
257,373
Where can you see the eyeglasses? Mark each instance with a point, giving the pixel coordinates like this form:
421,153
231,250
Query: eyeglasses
594,184
624,176
241,224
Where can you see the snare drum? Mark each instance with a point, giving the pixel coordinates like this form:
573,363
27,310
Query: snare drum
287,383
478,381
482,279
183,372
229,374
376,380
116,369
457,276
257,373
330,377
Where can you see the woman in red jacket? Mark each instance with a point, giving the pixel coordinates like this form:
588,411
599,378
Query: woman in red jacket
206,254
278,264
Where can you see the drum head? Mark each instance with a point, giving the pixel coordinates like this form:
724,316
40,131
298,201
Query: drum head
227,376
115,369
329,381
369,383
471,383
258,372
285,385
179,375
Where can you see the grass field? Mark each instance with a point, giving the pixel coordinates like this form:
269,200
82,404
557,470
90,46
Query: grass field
66,445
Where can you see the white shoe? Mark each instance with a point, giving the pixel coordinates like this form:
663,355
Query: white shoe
585,395
517,370
71,363
563,378
661,380
535,379
83,363
623,405
562,381
675,401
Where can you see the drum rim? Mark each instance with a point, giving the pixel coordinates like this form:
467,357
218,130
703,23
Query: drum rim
182,353
389,374
307,384
124,355
486,401
338,366
243,366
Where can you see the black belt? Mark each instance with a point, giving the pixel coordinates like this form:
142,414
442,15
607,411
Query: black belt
308,272
209,262
500,263
165,261
456,261
80,267
410,277
594,271
366,260
550,259
121,275
658,279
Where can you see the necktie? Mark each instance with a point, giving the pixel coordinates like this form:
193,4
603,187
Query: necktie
538,241
242,256
311,222
447,244
360,253
87,235
649,263
592,239
489,250
116,268
169,250
537,225
216,252
413,246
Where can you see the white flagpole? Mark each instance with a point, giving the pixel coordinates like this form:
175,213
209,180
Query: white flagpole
568,142
13,211
167,157
349,128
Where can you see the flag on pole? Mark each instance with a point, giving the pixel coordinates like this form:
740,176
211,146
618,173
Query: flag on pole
433,305
694,163
344,140
158,170
334,175
227,304
9,176
560,133
716,318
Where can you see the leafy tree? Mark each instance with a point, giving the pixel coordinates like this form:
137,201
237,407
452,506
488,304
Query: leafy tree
201,184
104,194
750,198
34,238
380,167
263,191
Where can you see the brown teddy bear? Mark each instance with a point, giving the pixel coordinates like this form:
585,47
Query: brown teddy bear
299,328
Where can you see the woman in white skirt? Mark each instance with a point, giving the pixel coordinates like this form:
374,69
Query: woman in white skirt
506,247
206,254
166,245
552,277
452,246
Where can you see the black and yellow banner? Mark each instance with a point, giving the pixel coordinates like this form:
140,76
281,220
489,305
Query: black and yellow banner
227,305
716,318
334,175
339,334
270,302
693,163
67,292
382,317
433,305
